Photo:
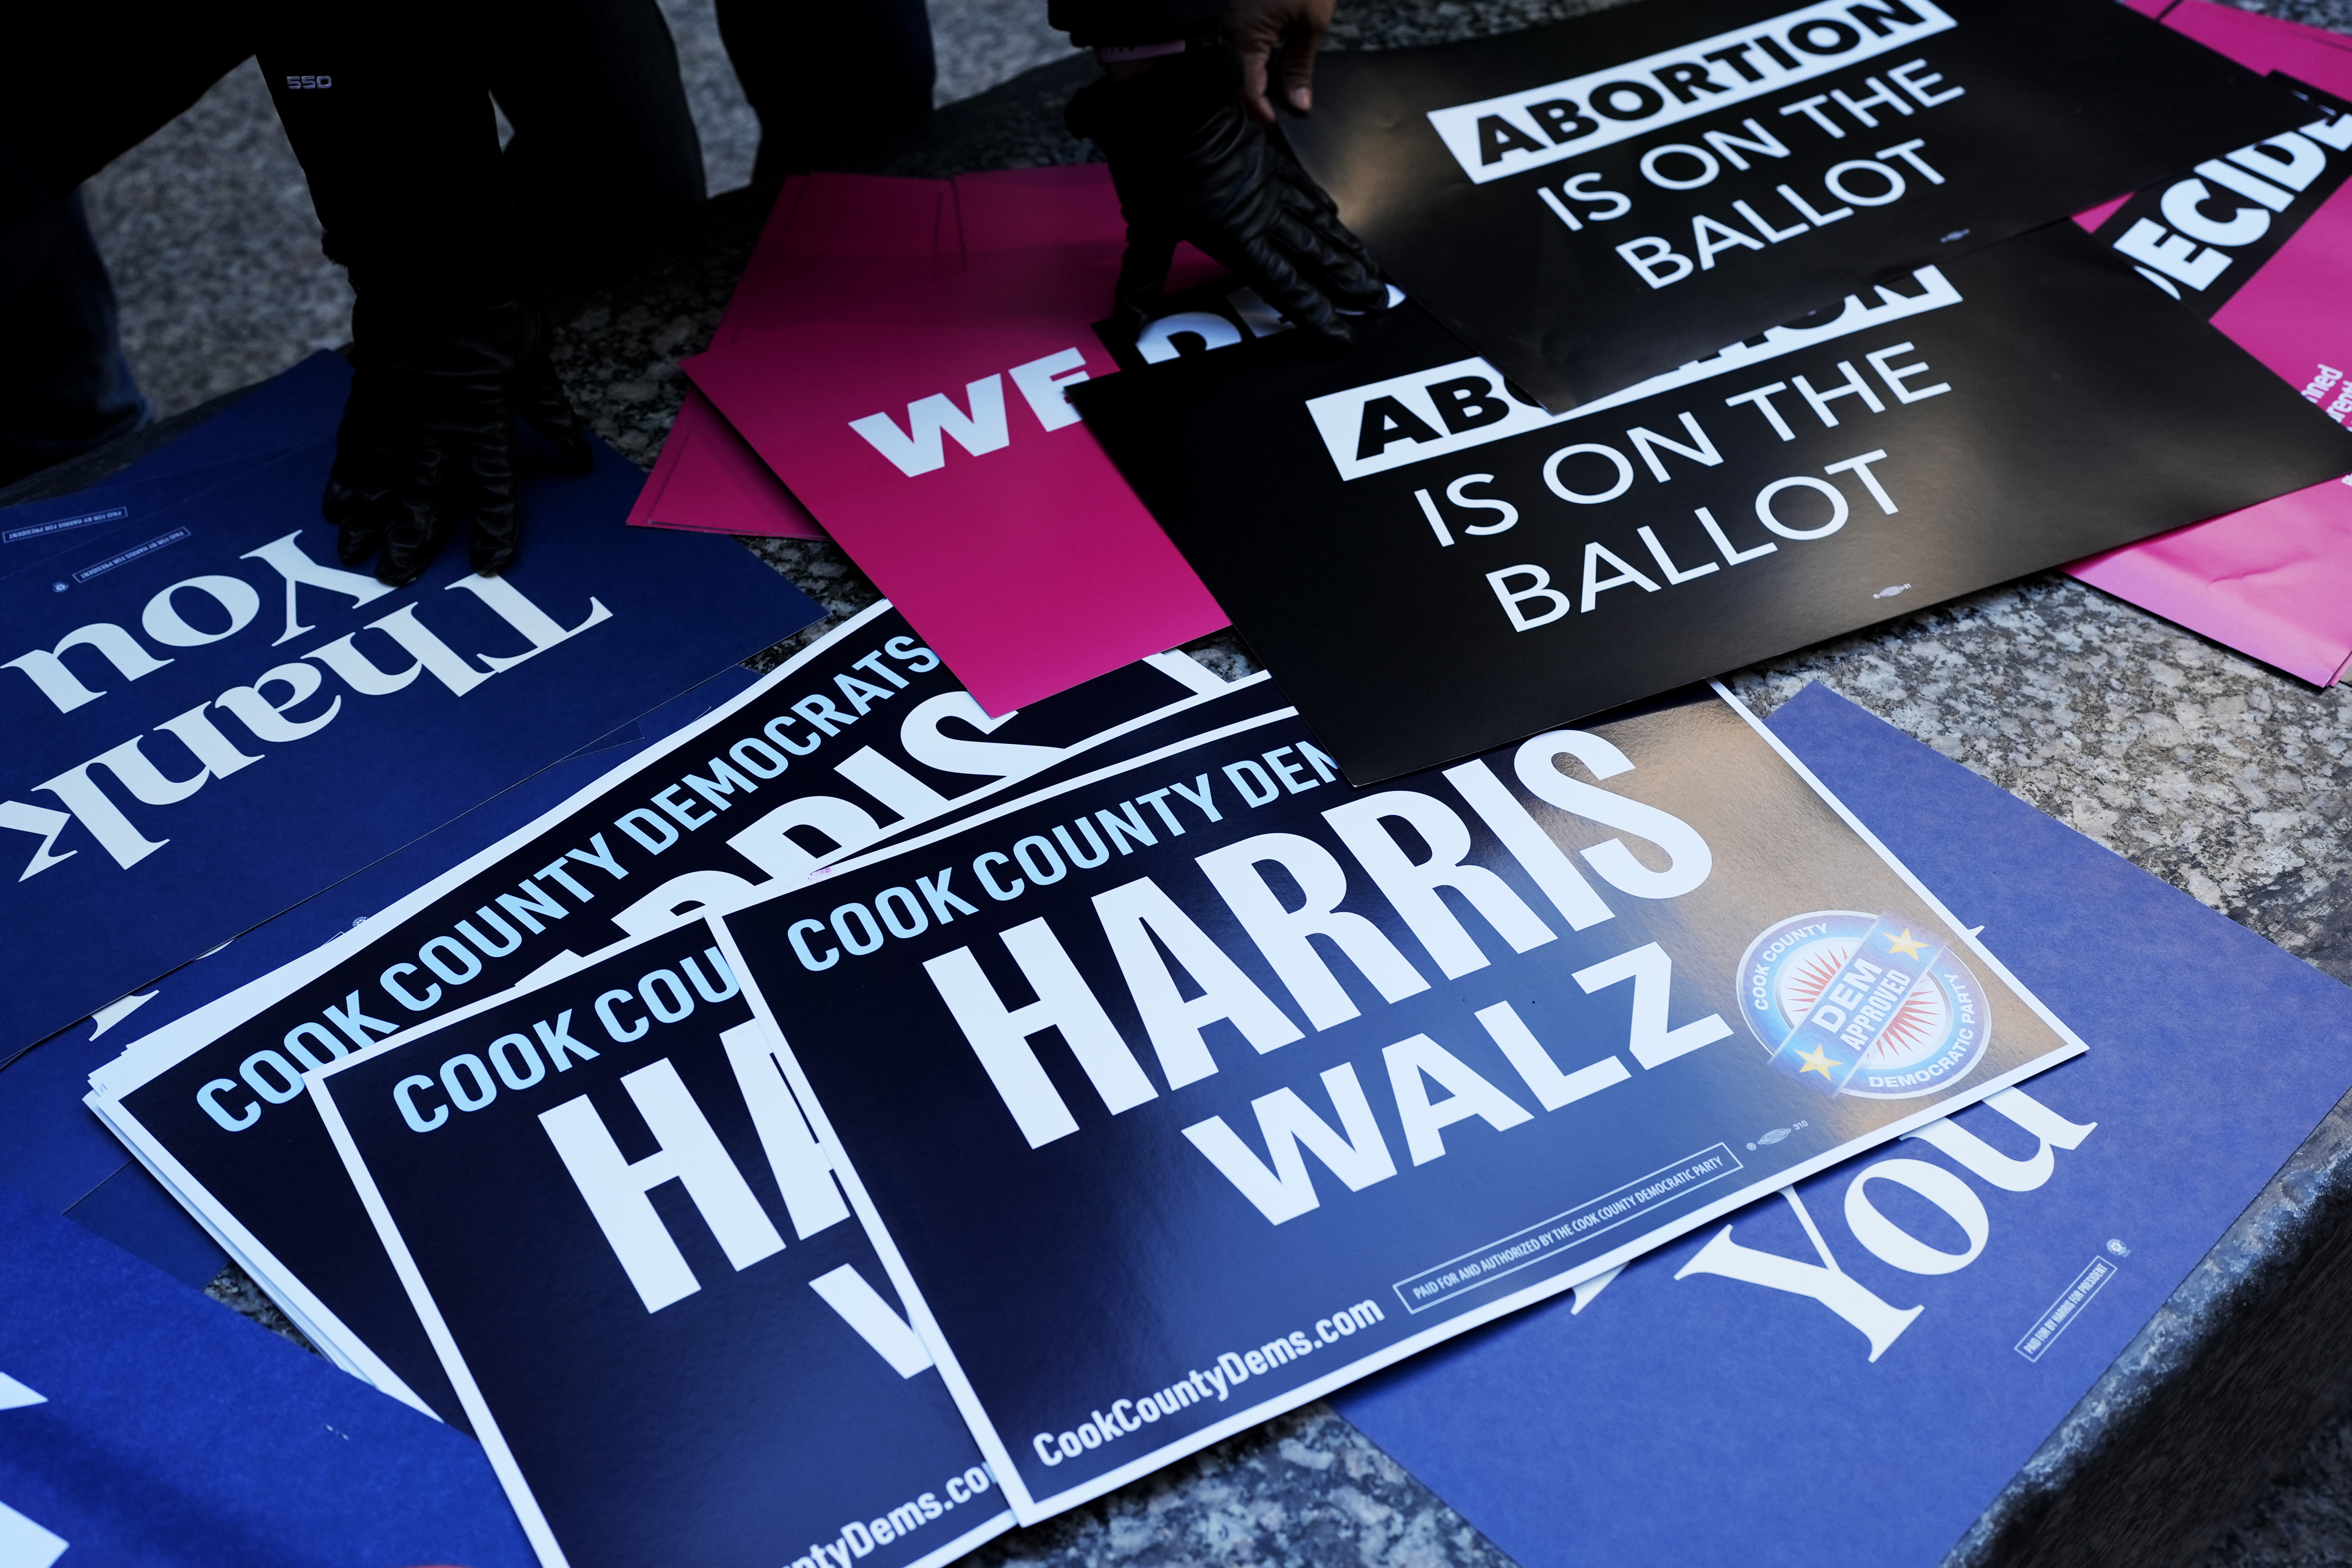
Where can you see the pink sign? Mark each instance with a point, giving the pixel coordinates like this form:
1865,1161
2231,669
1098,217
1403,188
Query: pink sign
709,480
828,237
2260,241
929,429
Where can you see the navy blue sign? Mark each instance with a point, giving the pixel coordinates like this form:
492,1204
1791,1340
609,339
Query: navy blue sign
211,719
298,408
1222,1084
663,1323
1939,1306
140,1423
857,736
59,1154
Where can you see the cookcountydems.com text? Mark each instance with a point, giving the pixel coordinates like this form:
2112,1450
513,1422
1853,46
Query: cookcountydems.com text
1228,1371
857,1539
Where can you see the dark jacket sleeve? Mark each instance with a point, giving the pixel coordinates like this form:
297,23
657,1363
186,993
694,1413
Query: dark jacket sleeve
388,107
1090,23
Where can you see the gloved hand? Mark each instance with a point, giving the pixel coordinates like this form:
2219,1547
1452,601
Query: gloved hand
428,444
1191,165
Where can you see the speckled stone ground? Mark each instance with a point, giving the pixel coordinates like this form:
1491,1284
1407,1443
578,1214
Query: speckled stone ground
2230,780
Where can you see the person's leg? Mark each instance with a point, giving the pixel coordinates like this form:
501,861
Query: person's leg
605,150
64,386
833,81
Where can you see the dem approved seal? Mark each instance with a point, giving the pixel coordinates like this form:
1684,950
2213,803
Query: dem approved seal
1882,1007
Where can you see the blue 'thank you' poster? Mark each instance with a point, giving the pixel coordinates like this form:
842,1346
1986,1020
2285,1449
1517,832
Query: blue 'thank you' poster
210,717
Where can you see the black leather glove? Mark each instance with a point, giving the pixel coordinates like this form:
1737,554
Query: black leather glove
428,444
1191,164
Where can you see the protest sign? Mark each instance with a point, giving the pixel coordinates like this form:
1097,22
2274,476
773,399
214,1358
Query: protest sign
61,1155
856,735
834,238
826,235
141,1423
707,480
757,1398
202,697
2265,260
298,407
1940,1306
1602,199
2025,406
1500,1106
890,417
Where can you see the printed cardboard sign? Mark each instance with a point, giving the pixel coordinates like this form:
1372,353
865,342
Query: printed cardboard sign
59,1154
298,407
929,434
210,717
2259,242
1432,566
665,1325
141,1423
858,735
1229,1084
1939,1305
1602,199
707,480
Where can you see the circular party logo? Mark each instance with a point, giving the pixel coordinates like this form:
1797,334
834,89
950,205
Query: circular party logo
1912,1044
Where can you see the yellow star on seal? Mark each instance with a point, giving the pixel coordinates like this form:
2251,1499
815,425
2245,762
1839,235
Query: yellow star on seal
1906,945
1818,1060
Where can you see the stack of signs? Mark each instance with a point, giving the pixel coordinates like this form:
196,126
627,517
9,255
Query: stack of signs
1599,200
2256,241
1136,897
862,734
926,426
1299,1080
828,238
608,1172
2023,405
259,783
140,1423
1939,1307
200,699
58,1154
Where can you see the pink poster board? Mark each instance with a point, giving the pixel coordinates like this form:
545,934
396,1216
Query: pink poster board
831,237
929,429
827,237
1023,263
709,480
2274,581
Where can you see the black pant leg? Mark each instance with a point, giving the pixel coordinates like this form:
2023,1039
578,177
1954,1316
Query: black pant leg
831,81
80,85
387,103
605,150
64,386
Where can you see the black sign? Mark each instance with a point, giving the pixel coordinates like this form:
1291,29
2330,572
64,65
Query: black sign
1230,1084
663,1321
1602,199
861,734
2204,238
1432,566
